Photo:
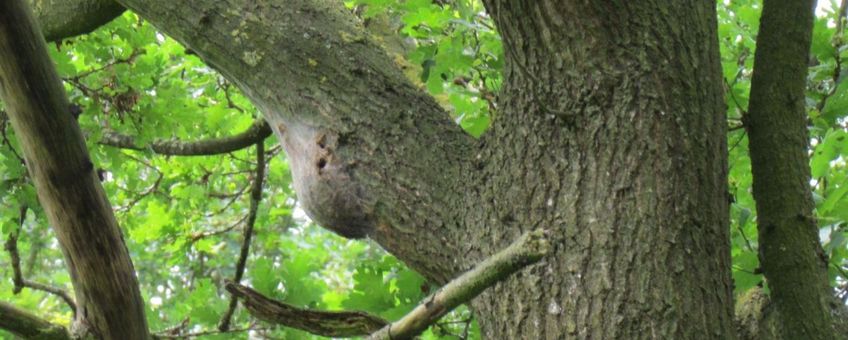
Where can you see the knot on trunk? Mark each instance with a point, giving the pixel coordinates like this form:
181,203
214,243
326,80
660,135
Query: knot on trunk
323,180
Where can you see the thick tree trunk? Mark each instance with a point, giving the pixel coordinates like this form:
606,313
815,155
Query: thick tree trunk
611,136
790,251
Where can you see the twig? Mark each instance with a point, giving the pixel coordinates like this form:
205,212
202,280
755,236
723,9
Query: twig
128,60
17,276
837,69
257,132
204,333
744,237
255,198
528,249
201,235
6,141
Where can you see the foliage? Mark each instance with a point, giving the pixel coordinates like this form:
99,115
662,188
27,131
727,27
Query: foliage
182,216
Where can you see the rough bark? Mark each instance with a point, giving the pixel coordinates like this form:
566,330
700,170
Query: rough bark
109,304
61,19
612,133
371,155
790,252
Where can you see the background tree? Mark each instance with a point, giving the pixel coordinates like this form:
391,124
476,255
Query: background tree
608,129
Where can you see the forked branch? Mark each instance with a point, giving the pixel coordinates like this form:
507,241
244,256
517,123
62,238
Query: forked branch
528,249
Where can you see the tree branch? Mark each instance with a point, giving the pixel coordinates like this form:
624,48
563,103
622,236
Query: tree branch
60,19
323,323
255,198
66,182
528,249
17,276
256,133
371,154
792,258
23,324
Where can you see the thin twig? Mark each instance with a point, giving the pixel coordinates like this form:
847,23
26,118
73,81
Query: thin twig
255,198
18,279
210,332
6,141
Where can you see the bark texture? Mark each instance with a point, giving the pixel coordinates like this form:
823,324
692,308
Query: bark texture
790,251
371,155
612,134
109,304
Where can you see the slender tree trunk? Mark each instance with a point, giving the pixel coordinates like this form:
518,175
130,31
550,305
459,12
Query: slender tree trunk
791,255
109,303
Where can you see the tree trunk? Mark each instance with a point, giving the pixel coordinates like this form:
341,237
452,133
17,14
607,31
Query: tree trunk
790,251
611,135
109,304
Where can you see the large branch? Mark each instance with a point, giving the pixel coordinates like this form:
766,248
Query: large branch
23,324
61,19
108,298
371,154
254,134
792,258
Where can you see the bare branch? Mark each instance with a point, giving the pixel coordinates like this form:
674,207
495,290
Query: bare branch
324,323
528,249
255,197
256,133
17,276
205,333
